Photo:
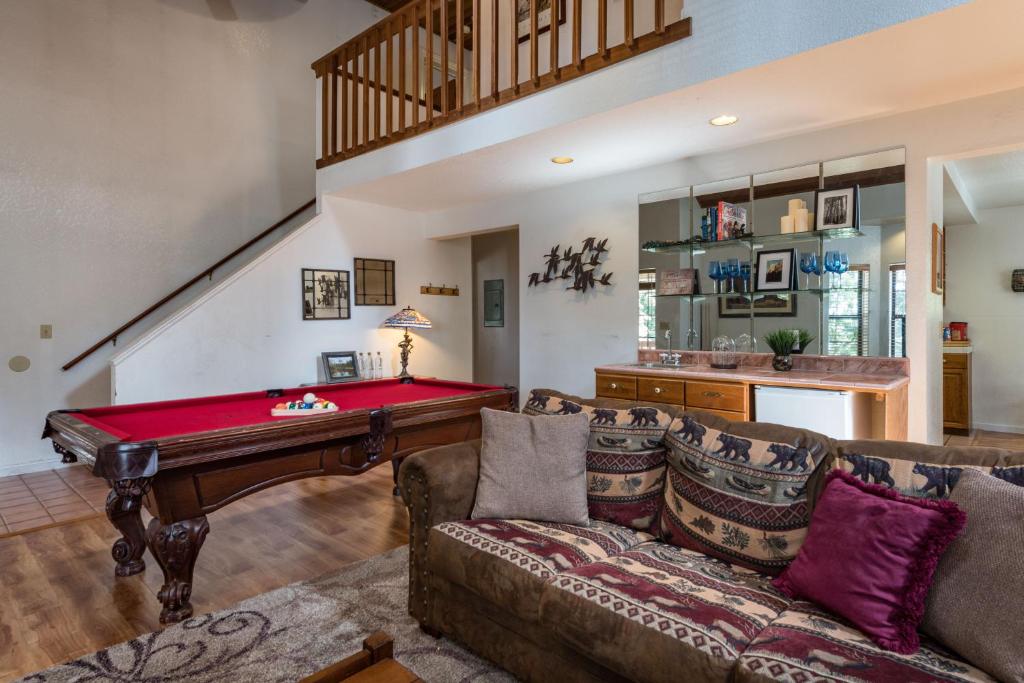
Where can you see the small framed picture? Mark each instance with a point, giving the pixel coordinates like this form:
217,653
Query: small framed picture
938,260
763,305
836,209
340,366
325,294
775,272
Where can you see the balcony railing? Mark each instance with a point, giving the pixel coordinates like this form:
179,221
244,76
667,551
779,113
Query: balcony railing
437,61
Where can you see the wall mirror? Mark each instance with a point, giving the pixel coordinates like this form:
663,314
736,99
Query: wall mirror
817,247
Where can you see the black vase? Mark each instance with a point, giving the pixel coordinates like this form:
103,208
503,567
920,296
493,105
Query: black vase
782,363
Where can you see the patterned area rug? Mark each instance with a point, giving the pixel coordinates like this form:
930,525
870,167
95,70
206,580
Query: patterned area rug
286,634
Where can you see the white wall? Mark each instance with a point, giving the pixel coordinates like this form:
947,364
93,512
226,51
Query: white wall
141,141
564,336
980,260
248,333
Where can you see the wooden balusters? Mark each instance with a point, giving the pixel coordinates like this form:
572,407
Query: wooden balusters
513,45
553,60
429,66
495,36
363,80
416,64
476,53
577,34
627,23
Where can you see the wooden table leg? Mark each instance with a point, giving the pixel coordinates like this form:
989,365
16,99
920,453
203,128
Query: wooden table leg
176,546
396,463
124,505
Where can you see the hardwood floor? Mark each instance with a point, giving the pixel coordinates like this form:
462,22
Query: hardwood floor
1013,442
59,598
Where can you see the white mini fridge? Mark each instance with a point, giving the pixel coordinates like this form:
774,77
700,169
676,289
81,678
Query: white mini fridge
839,414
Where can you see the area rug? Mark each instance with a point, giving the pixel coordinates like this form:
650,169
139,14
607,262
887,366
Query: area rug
286,634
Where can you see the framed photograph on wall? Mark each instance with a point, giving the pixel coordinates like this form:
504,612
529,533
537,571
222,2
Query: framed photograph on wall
938,260
775,271
765,306
340,366
835,209
325,294
543,17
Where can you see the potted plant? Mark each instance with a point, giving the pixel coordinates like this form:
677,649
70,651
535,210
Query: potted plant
782,342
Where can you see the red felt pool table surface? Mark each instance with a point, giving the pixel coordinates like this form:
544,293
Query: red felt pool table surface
145,421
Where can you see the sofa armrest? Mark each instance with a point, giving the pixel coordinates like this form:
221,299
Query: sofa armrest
438,485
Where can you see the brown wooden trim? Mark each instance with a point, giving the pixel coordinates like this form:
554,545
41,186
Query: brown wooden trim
673,32
577,33
112,337
513,46
870,178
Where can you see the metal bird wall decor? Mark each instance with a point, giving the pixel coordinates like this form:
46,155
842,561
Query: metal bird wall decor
579,266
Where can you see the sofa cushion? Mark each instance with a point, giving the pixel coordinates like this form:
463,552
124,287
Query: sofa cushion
806,643
625,457
655,612
508,561
925,471
739,498
532,467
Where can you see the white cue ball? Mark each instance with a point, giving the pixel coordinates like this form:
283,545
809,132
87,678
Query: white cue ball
309,398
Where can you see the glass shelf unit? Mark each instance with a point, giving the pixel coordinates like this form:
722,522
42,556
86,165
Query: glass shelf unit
713,295
756,241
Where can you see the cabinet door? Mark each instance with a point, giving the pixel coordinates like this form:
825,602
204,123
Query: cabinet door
954,397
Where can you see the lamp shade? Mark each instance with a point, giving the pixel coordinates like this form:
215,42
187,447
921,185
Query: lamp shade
409,317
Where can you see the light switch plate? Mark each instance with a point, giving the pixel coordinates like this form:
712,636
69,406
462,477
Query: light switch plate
46,331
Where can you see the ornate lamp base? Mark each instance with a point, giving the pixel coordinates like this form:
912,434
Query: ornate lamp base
406,348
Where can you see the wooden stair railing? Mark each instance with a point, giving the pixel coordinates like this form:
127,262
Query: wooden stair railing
112,337
380,87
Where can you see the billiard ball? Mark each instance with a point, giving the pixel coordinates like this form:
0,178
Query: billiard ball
309,399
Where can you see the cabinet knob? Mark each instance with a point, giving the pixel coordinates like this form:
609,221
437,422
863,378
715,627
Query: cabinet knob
657,390
613,385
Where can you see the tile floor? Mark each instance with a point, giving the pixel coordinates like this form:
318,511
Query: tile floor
40,499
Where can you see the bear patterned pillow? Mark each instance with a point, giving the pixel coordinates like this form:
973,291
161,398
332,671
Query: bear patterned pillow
738,499
625,458
918,479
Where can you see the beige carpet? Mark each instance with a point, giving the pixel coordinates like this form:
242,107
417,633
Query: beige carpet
286,634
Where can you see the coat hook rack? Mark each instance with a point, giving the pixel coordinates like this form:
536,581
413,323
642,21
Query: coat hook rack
443,290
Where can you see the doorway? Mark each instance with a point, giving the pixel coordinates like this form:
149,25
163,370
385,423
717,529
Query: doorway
496,307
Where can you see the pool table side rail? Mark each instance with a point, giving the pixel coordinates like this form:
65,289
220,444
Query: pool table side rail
114,459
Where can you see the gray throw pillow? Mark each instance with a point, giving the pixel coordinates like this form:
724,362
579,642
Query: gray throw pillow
976,604
533,468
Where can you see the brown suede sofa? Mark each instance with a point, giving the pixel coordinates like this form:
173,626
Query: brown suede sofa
549,602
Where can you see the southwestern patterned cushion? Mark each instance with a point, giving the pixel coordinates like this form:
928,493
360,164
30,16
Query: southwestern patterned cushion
656,612
508,561
918,479
806,643
625,458
740,499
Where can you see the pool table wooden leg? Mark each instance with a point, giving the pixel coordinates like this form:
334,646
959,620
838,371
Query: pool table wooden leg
124,503
176,546
395,464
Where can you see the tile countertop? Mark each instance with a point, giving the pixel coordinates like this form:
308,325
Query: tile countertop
754,375
957,349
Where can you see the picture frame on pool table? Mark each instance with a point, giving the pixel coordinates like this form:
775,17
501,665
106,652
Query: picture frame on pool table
340,366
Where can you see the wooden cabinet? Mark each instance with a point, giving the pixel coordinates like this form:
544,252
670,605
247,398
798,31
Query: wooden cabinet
956,392
616,386
660,390
728,399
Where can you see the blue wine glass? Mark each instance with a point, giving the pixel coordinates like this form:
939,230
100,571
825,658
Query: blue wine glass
733,272
745,275
715,273
843,264
808,266
831,263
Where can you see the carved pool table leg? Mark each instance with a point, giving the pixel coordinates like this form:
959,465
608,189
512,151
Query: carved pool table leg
176,546
395,464
124,504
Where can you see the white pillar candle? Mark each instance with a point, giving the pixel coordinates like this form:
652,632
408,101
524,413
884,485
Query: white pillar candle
800,221
810,220
786,224
795,205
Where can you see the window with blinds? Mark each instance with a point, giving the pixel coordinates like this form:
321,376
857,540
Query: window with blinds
648,310
898,310
848,319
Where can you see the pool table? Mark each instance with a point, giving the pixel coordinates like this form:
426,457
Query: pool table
186,458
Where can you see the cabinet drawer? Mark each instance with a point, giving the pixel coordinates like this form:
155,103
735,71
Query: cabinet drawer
717,396
616,386
954,360
660,390
727,414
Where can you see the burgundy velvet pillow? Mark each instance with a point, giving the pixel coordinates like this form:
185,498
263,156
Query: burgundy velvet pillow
870,555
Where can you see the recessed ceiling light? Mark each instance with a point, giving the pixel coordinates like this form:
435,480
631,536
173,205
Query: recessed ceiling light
724,120
562,160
